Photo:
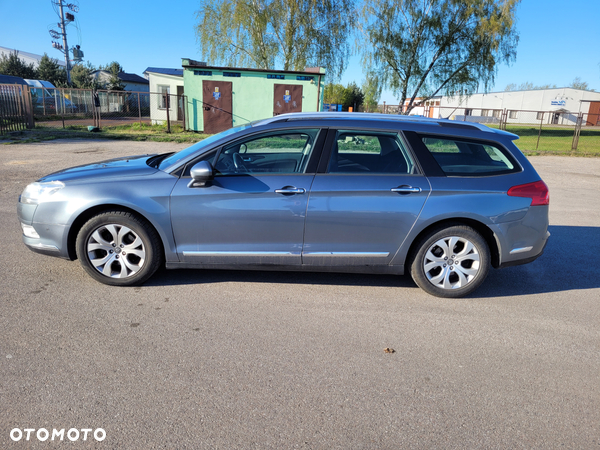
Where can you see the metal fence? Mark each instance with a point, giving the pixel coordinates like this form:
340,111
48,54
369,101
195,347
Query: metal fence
84,107
15,108
543,131
23,107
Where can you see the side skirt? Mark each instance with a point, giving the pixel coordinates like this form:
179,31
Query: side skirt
379,269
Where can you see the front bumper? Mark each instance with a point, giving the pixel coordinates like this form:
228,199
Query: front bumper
51,238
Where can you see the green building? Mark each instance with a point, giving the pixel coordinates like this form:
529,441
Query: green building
219,98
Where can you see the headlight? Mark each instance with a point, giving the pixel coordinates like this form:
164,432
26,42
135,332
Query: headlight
38,191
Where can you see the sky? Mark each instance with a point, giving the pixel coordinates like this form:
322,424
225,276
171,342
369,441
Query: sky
559,39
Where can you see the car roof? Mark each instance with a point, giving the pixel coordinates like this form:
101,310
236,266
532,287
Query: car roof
353,118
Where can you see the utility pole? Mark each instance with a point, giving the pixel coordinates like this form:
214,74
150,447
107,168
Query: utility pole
63,30
65,19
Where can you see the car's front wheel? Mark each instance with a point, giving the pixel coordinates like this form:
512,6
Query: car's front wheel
451,262
119,248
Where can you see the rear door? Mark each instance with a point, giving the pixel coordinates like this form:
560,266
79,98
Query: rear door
216,96
364,200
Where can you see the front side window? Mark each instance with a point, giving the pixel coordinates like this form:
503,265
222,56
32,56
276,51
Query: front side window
458,157
366,152
277,152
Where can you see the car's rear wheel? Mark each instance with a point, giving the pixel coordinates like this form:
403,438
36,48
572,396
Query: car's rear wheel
451,262
119,248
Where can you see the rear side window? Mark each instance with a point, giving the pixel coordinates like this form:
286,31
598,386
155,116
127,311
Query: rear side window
458,157
369,152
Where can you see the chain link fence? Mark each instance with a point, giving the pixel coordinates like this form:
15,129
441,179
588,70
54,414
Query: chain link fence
64,107
538,131
23,107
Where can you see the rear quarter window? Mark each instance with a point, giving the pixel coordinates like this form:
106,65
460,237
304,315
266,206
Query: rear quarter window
462,157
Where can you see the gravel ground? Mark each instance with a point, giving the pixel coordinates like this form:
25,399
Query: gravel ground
228,360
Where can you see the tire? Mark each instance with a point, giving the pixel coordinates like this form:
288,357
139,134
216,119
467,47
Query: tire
119,248
451,262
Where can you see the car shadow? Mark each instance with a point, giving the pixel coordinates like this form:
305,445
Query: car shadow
567,264
205,276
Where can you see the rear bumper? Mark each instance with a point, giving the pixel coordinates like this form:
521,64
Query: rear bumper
528,259
522,241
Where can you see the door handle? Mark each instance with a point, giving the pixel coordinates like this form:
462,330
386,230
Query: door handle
406,189
290,190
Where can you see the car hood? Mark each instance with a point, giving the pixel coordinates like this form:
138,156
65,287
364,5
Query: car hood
118,167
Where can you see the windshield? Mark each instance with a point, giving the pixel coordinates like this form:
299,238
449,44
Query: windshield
199,147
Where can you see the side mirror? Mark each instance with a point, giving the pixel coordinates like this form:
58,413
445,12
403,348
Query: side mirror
201,173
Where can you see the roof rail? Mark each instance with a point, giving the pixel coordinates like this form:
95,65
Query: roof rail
376,116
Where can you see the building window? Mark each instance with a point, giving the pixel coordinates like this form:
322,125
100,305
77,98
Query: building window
512,114
468,112
275,77
232,74
206,73
303,78
497,113
163,96
485,112
539,116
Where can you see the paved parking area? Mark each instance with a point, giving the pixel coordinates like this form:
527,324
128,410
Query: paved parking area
225,360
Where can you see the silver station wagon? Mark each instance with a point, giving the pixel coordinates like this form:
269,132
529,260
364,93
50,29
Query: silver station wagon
335,192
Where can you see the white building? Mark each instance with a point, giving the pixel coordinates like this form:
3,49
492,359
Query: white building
130,81
165,81
28,58
559,106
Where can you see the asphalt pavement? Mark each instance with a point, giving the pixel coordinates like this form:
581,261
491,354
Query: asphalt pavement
261,360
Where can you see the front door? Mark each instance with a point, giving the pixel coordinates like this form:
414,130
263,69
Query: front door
254,210
362,209
287,98
180,103
216,98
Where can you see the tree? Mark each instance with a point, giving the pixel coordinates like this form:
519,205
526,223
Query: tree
276,34
16,67
353,97
49,70
577,83
372,89
528,86
349,96
334,93
420,48
114,83
81,76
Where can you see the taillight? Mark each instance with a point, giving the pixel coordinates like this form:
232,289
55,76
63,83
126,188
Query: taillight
537,192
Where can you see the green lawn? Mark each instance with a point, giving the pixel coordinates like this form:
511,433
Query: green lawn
133,132
556,140
553,140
